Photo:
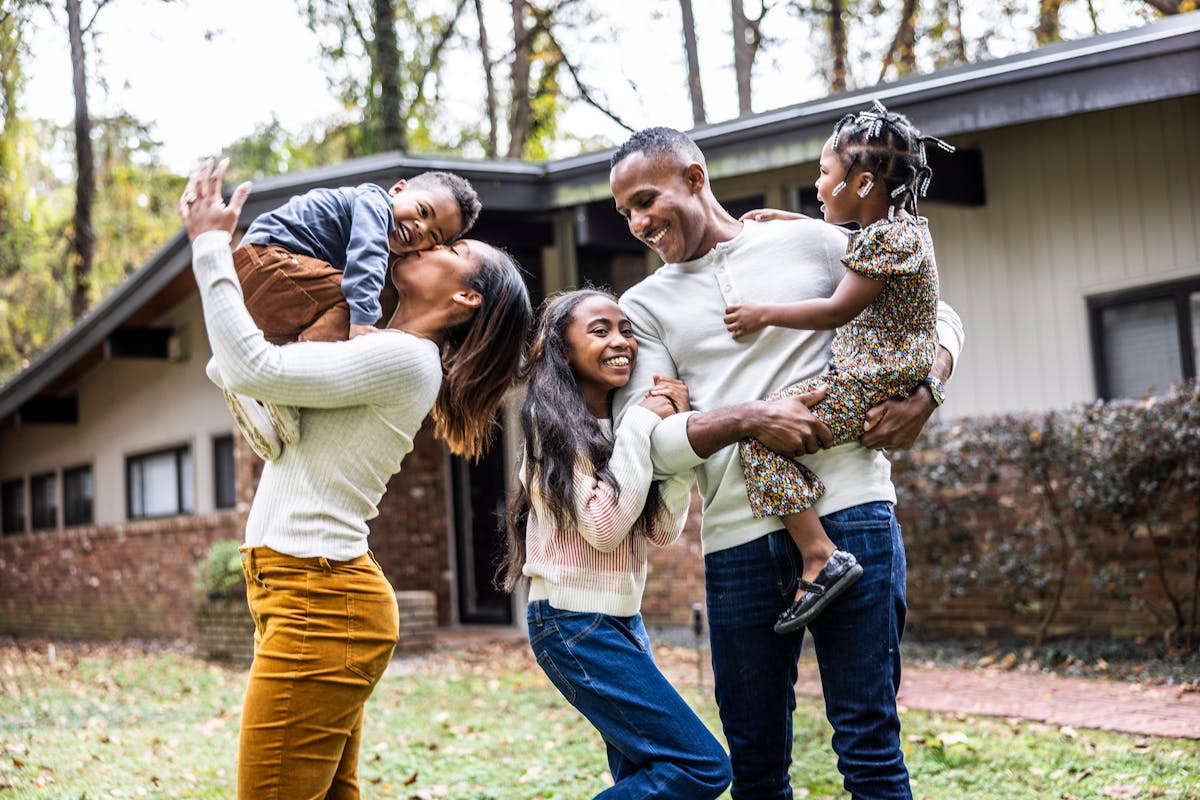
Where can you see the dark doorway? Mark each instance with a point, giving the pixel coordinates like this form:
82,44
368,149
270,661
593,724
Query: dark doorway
479,537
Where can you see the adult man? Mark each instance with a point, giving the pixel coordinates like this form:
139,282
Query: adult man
660,184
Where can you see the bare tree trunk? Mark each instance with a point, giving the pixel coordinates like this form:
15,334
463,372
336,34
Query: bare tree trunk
521,115
1048,28
695,89
743,61
1091,6
392,135
837,45
490,146
83,240
902,51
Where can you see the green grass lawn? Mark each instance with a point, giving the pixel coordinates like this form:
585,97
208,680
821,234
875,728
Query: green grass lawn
483,723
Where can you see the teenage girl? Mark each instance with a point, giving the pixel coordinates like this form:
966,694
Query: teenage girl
325,616
578,527
873,168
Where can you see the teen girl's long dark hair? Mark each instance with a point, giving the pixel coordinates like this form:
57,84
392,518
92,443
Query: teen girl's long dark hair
557,431
481,357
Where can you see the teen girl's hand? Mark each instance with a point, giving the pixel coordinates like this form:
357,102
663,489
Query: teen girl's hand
674,390
764,214
201,205
743,319
659,404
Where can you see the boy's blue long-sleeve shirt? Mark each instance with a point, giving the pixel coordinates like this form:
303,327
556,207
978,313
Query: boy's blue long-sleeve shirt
349,227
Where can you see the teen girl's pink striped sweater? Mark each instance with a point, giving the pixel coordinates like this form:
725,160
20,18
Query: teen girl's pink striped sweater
597,566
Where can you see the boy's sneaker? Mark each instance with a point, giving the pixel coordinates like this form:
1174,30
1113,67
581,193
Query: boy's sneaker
285,420
255,425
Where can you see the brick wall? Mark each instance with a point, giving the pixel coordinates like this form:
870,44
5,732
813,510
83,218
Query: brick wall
1112,591
410,537
940,607
135,580
676,577
111,582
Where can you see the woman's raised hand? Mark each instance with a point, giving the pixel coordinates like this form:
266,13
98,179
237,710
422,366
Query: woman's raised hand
201,205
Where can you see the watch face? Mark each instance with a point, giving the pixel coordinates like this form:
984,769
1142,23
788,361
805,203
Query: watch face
938,390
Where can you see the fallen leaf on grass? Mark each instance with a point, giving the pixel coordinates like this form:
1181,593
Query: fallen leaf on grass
1121,790
214,724
530,774
949,739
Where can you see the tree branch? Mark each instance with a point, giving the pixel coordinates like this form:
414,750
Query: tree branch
435,54
584,93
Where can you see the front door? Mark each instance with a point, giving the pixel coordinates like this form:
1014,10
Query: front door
479,537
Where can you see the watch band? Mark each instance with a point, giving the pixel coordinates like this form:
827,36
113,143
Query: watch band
936,388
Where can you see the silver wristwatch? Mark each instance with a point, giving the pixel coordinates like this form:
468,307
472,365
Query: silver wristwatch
937,389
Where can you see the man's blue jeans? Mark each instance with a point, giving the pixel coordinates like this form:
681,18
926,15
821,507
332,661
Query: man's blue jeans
602,665
857,642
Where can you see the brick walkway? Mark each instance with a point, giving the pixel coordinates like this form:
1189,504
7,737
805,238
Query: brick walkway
1078,702
1145,709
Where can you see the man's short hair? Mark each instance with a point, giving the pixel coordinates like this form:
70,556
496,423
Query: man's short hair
459,188
659,141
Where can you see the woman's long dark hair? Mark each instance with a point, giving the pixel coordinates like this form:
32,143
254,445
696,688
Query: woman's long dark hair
557,430
481,356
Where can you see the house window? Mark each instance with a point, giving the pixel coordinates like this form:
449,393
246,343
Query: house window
77,496
224,479
12,499
1145,340
160,484
43,501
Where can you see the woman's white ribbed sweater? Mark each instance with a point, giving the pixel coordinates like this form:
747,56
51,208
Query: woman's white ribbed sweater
363,402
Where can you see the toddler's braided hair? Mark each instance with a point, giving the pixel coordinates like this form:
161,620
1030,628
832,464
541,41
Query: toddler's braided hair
890,147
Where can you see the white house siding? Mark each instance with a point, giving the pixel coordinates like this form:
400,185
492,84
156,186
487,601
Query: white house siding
1076,207
127,407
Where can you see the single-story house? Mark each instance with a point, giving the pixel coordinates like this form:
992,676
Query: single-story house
1067,229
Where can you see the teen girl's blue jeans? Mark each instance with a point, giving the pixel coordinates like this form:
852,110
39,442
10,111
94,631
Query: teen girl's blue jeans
657,746
857,643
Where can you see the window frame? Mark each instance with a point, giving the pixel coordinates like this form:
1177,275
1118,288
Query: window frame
179,452
217,443
68,520
21,520
38,521
1179,292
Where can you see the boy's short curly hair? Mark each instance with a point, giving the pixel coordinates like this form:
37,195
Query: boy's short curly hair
459,188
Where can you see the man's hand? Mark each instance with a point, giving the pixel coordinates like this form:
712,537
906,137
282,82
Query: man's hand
789,428
896,424
361,330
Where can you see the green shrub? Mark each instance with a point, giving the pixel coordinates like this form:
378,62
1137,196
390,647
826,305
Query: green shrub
220,574
1024,501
